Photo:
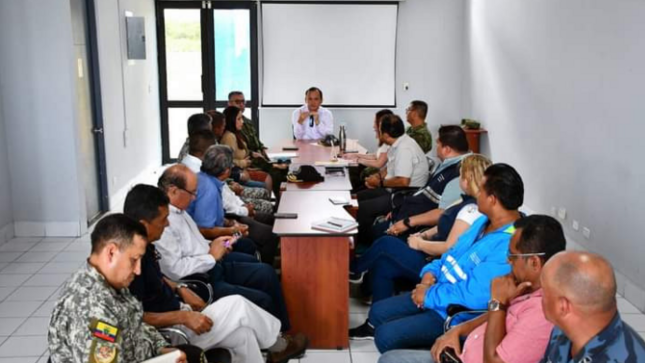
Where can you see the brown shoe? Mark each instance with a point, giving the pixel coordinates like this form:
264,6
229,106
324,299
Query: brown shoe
296,347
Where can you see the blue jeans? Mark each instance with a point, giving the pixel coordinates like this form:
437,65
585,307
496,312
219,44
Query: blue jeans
389,259
407,356
254,184
400,324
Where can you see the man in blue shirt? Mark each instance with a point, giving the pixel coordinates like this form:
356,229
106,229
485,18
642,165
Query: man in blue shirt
579,297
207,209
462,276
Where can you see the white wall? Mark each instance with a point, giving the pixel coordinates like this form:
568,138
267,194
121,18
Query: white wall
37,97
6,207
559,85
130,95
430,56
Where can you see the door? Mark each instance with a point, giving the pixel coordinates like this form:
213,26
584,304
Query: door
90,124
206,50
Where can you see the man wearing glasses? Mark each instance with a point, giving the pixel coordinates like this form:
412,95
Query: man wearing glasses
312,121
514,329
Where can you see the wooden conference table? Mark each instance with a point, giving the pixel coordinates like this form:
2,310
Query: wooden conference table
315,264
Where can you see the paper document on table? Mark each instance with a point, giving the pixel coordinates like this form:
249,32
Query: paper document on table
338,162
334,224
283,155
165,358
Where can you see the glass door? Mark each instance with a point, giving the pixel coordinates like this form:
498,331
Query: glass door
206,50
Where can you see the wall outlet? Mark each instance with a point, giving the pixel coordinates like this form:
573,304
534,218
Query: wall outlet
562,213
586,232
114,181
575,225
553,212
406,86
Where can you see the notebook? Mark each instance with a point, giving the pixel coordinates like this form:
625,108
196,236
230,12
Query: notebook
334,225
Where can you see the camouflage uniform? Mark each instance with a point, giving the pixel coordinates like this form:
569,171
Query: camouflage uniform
93,322
253,142
422,136
617,342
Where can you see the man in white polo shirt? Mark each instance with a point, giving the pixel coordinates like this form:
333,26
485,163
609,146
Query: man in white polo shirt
407,165
312,121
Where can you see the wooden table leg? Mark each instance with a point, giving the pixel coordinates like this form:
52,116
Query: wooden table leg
315,283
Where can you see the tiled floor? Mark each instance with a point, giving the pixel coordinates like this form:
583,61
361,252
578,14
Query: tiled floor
33,269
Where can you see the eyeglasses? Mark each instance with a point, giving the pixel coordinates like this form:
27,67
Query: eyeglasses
512,256
194,194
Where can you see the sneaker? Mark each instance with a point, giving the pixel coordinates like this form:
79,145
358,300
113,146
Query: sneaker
355,278
296,347
362,332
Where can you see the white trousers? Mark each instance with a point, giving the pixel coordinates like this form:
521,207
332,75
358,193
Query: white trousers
239,326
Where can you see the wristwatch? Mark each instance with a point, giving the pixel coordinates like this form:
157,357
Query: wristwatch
496,305
180,285
406,222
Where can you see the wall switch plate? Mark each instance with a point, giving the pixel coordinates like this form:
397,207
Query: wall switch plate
562,213
406,86
575,225
586,232
554,212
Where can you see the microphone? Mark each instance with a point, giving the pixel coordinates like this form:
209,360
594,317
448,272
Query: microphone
311,120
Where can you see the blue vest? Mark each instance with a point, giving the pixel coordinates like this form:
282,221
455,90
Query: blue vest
425,199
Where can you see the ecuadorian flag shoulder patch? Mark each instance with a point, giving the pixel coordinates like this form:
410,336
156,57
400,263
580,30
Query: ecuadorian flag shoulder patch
105,331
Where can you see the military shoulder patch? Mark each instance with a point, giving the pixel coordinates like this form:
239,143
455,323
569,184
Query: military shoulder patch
105,331
103,352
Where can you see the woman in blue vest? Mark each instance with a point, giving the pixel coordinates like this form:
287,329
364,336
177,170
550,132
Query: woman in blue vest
391,258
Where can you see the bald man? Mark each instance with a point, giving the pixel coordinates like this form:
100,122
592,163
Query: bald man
579,297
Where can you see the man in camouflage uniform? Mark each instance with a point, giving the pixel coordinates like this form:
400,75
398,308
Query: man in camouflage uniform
96,319
418,130
580,299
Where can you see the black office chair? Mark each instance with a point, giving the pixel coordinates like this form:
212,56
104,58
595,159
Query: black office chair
200,284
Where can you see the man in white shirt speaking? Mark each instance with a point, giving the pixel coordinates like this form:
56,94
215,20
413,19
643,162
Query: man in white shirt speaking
312,121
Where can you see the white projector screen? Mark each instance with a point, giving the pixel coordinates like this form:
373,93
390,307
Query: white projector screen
346,50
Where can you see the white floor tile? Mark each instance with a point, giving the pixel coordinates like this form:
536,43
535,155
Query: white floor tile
22,268
58,239
60,268
624,307
326,356
356,306
44,358
2,339
13,280
19,360
50,246
365,357
47,280
362,346
71,256
17,246
82,246
37,256
636,321
26,239
33,326
32,293
9,256
45,310
9,325
15,347
3,265
6,291
55,295
18,309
